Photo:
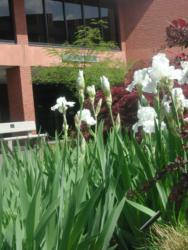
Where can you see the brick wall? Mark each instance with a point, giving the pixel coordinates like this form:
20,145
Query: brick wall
20,22
145,23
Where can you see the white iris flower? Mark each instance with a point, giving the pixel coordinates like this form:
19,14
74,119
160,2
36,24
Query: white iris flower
105,85
146,119
184,78
85,116
179,98
149,78
91,91
80,80
62,105
142,78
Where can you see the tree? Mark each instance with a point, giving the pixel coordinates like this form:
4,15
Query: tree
88,42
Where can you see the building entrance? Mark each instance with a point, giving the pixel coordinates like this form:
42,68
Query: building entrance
45,97
4,104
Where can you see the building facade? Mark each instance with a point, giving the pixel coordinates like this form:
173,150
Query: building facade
29,27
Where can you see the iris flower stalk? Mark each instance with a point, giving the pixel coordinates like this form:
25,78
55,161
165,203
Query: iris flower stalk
105,84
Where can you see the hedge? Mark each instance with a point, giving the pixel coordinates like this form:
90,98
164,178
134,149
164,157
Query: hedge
115,71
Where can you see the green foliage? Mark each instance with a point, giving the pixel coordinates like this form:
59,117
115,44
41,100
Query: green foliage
90,36
115,71
88,42
54,201
81,54
64,196
55,75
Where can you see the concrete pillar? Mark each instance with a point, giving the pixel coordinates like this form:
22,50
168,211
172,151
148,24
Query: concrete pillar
20,23
20,94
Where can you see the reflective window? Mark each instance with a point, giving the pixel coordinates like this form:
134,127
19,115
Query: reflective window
35,20
6,25
73,17
91,11
108,15
55,21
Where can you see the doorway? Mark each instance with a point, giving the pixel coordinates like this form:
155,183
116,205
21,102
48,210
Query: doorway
4,103
44,98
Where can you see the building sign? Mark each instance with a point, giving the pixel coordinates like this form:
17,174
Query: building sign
79,58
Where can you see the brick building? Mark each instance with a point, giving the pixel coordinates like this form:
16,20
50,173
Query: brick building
27,27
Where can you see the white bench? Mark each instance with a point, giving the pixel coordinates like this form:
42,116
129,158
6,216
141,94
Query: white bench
27,128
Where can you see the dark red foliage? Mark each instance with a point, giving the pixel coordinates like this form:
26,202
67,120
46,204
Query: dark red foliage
124,103
177,166
179,58
179,23
177,33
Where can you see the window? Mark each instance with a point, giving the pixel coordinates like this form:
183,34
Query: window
73,11
91,11
108,15
56,21
6,25
35,20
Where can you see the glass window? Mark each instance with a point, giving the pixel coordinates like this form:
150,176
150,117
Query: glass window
55,21
91,11
108,15
35,20
6,25
73,12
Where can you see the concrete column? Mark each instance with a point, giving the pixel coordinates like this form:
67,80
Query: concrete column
20,93
20,22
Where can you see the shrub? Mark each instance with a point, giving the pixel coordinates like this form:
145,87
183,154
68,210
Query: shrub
177,36
123,103
177,33
115,71
179,58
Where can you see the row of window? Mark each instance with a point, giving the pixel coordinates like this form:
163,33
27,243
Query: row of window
55,21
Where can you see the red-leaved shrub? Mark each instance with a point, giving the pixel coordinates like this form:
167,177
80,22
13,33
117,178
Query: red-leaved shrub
124,103
179,58
177,33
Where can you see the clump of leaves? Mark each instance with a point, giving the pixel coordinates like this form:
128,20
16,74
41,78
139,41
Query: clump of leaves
177,33
116,71
90,36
